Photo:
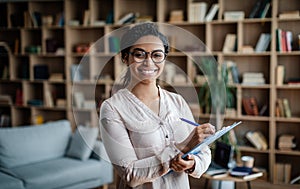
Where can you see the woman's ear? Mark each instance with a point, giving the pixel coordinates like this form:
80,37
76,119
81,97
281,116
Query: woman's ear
125,59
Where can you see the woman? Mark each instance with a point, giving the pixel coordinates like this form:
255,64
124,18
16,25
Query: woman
140,125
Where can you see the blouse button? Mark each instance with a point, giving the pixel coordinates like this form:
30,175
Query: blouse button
167,136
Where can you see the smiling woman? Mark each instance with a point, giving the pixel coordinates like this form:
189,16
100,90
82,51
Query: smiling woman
140,124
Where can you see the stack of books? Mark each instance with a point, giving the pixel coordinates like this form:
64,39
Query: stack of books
253,78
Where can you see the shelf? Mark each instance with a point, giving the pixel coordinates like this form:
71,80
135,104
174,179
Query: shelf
21,62
286,152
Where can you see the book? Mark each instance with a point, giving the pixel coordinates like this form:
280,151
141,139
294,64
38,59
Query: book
295,180
279,171
289,40
229,43
260,9
234,15
255,9
86,18
257,139
27,20
279,104
219,175
253,78
19,97
5,120
49,99
286,108
263,42
78,99
5,100
176,16
114,44
56,77
250,106
278,40
76,73
265,10
126,18
280,73
212,12
252,175
197,11
234,72
36,18
287,173
283,41
262,139
287,142
289,14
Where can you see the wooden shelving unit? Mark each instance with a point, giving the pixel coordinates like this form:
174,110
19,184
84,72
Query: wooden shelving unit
29,47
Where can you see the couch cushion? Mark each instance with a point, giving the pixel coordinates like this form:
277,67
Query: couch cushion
9,182
82,142
59,173
28,144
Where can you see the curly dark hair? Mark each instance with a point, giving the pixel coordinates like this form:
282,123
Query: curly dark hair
140,30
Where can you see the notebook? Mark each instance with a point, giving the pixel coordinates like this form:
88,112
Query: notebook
211,139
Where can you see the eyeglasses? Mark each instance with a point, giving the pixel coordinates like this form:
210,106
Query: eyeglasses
157,56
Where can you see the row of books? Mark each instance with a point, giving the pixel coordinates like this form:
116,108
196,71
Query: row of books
35,19
198,12
284,40
250,107
283,108
260,9
262,45
282,173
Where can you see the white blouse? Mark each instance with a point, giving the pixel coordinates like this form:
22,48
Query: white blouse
140,143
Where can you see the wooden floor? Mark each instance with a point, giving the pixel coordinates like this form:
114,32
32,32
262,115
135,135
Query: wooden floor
199,184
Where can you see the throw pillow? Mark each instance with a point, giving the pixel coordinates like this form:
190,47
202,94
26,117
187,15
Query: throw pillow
82,142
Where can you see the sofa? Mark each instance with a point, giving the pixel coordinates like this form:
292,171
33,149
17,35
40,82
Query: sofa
51,156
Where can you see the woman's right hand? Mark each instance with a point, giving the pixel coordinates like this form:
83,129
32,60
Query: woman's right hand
198,134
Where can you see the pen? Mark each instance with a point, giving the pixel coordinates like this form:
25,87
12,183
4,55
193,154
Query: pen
189,122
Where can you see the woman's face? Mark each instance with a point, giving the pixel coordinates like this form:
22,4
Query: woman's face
146,59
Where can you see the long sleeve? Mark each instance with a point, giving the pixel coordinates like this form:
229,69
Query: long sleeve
134,171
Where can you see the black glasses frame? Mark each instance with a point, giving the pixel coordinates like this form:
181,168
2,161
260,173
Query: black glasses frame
146,55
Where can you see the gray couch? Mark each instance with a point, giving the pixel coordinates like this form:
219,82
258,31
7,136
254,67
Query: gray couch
45,156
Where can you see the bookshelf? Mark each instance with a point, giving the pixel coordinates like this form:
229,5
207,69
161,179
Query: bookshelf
59,45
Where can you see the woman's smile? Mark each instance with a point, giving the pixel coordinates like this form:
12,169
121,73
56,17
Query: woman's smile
148,72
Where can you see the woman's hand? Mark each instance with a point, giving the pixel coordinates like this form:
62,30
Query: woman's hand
199,133
179,165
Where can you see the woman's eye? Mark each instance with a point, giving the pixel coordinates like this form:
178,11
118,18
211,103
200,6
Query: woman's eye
139,54
157,55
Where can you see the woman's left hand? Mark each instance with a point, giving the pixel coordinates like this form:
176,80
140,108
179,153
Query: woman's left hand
179,165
